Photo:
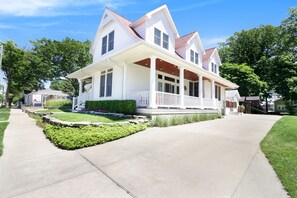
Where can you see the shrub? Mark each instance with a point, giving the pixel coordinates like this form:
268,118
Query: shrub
58,104
117,106
72,138
162,121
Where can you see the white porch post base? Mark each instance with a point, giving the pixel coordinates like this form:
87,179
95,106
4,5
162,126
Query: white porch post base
181,88
201,90
152,93
213,94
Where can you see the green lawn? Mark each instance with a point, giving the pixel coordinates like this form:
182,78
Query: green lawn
280,147
4,113
80,117
72,137
53,110
3,126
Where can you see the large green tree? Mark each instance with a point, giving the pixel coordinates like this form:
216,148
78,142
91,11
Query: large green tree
61,58
243,75
14,64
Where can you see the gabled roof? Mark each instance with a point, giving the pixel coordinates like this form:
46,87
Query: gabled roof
232,93
185,40
148,16
209,53
125,23
181,41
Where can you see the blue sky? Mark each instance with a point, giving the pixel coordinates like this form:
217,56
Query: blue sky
215,20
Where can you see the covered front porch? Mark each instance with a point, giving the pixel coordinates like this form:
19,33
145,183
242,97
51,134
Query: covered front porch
176,87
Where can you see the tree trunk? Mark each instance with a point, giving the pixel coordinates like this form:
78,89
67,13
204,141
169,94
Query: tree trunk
7,100
266,104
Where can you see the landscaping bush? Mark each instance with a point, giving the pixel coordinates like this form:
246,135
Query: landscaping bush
162,121
72,138
58,104
117,106
3,126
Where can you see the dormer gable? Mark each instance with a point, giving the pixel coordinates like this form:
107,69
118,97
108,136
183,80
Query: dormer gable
211,60
149,16
158,28
123,34
190,48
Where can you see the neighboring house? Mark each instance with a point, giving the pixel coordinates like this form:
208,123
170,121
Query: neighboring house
232,101
149,62
38,98
280,106
252,104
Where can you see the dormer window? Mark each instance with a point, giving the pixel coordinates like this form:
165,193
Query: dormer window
165,41
214,68
158,39
107,43
194,57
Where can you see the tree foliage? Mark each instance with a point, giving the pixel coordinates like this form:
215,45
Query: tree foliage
243,75
270,51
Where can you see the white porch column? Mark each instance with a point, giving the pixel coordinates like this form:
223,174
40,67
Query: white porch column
213,93
201,90
152,95
80,87
181,87
124,94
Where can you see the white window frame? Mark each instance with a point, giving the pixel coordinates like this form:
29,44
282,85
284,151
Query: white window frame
164,44
105,72
108,42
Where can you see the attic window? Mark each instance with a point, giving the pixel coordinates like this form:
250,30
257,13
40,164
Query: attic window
165,41
157,36
107,43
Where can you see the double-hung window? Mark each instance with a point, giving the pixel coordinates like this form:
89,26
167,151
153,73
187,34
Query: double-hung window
196,58
107,43
161,39
192,56
165,41
106,83
157,36
218,92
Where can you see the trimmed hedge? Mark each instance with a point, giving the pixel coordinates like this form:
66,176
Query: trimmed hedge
58,104
73,138
116,106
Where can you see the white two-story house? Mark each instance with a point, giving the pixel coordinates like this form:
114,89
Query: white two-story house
148,61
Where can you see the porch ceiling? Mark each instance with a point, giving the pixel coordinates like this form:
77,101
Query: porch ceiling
140,52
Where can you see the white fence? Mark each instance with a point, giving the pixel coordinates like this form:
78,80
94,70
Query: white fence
208,103
192,102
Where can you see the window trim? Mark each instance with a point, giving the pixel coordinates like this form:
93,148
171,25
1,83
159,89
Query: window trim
157,38
105,74
109,44
165,42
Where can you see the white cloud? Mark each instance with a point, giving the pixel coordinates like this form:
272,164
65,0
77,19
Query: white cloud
53,7
5,26
213,42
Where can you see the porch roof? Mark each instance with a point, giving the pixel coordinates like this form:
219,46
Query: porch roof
142,50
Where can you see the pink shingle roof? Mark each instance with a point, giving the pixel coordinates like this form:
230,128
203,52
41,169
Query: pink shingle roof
208,54
126,23
184,39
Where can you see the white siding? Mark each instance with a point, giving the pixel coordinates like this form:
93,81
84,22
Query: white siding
117,85
207,89
195,47
182,51
159,20
138,78
122,39
141,30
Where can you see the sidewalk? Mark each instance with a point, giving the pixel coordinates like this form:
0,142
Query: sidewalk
32,167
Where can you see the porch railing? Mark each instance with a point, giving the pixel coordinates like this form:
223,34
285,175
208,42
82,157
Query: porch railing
141,98
164,99
192,102
208,103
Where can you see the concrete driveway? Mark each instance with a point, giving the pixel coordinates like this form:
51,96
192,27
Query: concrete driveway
219,158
